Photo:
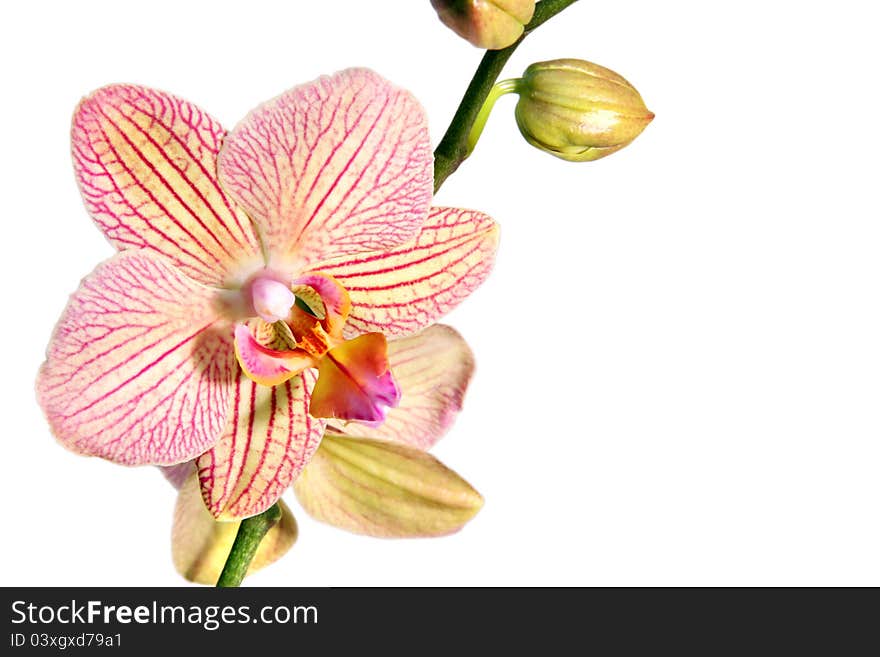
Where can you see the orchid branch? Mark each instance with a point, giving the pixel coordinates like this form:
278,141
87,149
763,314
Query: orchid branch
453,148
247,540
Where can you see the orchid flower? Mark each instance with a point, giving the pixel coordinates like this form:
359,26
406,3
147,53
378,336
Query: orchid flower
379,481
259,274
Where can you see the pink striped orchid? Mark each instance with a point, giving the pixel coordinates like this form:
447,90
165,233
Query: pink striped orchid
259,274
377,481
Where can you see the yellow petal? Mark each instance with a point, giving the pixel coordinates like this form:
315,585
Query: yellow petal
384,489
200,544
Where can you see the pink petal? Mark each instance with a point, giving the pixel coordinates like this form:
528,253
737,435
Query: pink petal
386,490
269,439
433,369
265,366
337,166
401,291
135,372
146,165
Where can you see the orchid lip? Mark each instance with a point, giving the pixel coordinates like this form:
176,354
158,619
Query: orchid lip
386,396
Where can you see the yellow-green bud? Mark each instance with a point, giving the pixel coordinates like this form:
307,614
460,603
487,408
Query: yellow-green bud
577,110
490,24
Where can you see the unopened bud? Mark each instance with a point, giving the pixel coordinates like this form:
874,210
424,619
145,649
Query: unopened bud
490,24
577,110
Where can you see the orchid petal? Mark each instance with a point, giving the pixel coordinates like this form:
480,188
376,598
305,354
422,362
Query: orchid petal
433,369
200,544
384,489
269,439
354,381
266,366
135,372
337,166
146,164
401,291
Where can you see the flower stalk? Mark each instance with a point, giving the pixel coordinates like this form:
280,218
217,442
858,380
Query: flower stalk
455,146
502,88
247,540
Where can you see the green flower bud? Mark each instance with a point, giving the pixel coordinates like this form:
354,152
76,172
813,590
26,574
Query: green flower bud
577,110
490,24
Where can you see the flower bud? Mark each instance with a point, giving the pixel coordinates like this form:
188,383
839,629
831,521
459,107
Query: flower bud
577,110
490,24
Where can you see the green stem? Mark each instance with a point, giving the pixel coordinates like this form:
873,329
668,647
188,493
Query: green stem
247,540
500,89
453,148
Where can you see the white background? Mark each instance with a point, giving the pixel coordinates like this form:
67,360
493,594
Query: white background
679,348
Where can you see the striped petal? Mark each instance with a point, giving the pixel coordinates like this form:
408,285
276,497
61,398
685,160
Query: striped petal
337,166
146,165
403,290
270,437
135,372
433,369
383,489
200,544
